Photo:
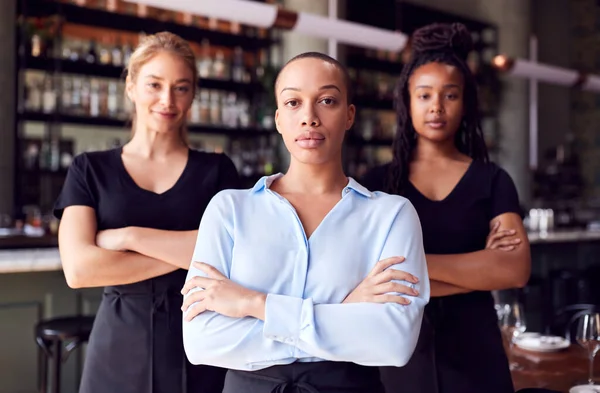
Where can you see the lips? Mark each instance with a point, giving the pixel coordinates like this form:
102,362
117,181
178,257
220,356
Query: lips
436,124
310,140
166,115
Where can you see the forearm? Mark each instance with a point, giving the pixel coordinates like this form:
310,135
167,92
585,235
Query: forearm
369,334
173,247
91,266
483,270
439,289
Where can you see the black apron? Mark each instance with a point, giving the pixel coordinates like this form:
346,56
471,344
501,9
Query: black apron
310,377
459,350
136,345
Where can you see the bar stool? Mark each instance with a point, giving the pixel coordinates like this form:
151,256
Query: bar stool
51,335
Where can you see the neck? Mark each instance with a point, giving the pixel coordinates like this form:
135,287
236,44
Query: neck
152,144
314,179
432,151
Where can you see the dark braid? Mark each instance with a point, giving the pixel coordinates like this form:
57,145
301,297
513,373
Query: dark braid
436,43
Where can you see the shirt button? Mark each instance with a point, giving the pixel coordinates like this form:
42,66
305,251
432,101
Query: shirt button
347,190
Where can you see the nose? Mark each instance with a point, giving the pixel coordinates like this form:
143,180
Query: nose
309,117
166,98
437,105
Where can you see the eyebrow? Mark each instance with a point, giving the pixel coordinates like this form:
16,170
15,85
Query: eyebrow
427,86
177,81
326,87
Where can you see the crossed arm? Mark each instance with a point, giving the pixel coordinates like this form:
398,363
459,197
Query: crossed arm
230,326
505,263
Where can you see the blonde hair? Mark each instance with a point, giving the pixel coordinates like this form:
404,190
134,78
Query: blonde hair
149,47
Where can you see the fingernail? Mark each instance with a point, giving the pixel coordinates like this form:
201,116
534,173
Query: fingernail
513,231
415,279
415,292
517,241
407,301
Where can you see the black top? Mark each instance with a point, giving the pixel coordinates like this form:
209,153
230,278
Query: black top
136,345
100,180
468,350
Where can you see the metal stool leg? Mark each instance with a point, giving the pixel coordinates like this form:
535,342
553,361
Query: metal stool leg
57,360
43,372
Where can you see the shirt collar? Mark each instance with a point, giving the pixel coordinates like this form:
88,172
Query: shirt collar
266,181
356,186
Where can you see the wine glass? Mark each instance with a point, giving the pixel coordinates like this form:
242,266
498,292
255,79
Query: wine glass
512,325
500,311
588,336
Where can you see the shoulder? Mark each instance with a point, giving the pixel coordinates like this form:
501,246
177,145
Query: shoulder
488,169
95,159
228,200
384,203
206,158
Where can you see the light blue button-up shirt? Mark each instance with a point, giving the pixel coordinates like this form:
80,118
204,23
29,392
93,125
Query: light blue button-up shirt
255,238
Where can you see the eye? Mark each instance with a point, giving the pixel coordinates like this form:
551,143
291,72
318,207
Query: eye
328,101
182,89
291,103
452,96
423,96
153,85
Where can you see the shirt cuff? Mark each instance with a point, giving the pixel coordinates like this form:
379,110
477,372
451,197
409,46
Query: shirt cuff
283,315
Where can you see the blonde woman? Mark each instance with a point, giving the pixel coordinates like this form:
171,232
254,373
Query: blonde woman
128,224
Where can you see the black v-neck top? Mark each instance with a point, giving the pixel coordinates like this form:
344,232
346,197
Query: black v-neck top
460,222
460,347
100,180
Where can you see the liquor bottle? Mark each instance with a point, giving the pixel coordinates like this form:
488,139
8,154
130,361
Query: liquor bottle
49,95
85,97
219,66
76,97
113,110
238,69
95,99
103,99
92,55
215,107
204,107
105,53
205,66
34,96
127,51
117,53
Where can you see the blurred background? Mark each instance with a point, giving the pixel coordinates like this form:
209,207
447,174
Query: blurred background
61,74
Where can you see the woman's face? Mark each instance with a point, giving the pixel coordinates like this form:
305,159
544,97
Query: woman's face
312,110
436,101
162,93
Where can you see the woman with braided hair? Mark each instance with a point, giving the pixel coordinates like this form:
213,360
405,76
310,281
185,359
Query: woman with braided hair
473,234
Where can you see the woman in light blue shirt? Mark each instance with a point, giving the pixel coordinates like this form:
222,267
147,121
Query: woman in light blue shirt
287,290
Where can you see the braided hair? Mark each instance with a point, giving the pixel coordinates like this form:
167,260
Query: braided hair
436,43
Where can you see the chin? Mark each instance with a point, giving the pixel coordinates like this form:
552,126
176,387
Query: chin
312,157
165,128
439,137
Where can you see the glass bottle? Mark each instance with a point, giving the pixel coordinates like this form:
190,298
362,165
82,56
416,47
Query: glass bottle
238,65
205,63
49,95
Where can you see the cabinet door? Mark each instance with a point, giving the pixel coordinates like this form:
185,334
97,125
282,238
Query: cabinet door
25,299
